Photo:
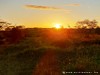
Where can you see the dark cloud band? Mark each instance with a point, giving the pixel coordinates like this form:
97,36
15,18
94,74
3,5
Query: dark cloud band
42,7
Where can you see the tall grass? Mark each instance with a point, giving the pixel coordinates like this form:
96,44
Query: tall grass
75,52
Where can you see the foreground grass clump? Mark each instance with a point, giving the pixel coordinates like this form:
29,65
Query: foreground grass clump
22,63
20,58
80,59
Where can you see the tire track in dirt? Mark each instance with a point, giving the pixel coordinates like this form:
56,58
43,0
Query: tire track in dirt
48,64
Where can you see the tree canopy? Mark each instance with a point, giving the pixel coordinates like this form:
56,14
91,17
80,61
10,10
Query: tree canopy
4,24
87,24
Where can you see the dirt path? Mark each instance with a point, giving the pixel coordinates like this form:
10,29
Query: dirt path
48,65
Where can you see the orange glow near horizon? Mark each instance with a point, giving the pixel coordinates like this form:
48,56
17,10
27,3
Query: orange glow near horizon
43,13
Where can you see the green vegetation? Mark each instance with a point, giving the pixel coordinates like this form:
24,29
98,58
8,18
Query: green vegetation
80,59
20,59
75,49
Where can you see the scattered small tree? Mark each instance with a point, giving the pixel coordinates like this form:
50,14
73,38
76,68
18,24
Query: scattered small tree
4,25
11,33
87,24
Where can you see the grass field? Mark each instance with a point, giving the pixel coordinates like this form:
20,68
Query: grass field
51,52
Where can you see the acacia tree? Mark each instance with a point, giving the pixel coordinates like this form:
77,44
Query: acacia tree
87,24
3,24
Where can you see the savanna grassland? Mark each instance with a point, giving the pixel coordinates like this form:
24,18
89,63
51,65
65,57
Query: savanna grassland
49,51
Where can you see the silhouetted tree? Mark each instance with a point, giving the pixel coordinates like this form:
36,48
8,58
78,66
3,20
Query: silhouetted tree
9,28
4,24
10,33
87,24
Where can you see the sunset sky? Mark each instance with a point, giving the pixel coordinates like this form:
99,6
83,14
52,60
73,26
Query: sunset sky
47,13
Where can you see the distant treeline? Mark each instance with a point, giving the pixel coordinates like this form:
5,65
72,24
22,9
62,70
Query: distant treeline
13,35
17,33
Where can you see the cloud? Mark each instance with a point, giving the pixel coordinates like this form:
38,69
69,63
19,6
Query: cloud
38,7
76,4
42,7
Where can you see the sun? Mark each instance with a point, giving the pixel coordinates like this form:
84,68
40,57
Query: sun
58,26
